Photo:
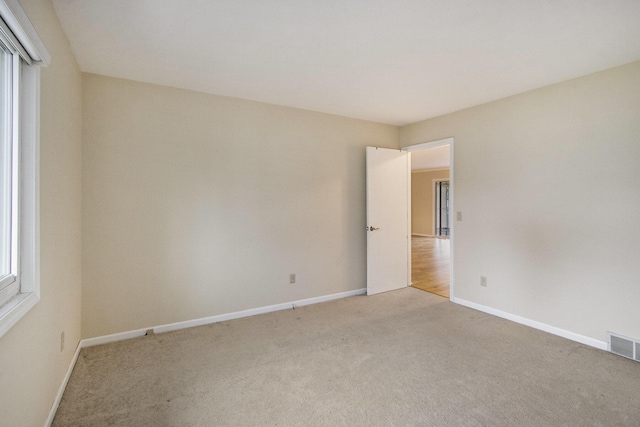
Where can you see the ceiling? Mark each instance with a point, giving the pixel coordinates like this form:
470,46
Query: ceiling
430,158
389,61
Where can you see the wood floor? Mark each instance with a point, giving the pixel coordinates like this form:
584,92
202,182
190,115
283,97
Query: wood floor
430,264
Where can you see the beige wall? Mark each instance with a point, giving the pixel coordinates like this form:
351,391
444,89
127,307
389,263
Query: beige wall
32,365
557,237
196,205
422,207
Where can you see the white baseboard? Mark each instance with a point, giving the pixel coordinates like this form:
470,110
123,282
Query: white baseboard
535,324
63,385
254,311
89,342
120,336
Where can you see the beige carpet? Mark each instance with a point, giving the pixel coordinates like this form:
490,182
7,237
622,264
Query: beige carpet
404,358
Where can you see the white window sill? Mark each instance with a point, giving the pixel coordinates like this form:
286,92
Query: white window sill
15,309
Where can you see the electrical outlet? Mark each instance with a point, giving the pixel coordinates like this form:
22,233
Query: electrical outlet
292,278
62,341
483,281
459,216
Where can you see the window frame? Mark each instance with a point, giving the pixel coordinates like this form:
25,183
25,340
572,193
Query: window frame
10,145
29,54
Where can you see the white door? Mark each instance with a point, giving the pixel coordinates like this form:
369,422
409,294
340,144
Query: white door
388,174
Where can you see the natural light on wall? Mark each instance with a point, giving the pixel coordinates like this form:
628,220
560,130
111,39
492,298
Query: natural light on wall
21,55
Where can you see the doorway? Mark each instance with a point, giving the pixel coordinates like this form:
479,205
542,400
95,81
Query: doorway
431,208
389,193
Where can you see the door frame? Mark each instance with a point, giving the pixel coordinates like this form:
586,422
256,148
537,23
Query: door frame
424,146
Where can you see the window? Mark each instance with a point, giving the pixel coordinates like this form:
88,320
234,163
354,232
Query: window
9,62
21,55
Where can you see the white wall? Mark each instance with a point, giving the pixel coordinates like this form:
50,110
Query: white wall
196,205
32,366
558,232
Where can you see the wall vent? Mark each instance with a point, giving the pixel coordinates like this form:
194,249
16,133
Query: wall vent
623,346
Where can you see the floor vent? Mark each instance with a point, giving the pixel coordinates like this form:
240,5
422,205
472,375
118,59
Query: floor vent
623,346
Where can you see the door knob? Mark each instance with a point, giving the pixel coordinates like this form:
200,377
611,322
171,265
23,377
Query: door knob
372,228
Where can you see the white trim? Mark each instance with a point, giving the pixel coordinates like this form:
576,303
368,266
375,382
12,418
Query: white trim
535,324
18,177
120,336
430,170
63,386
409,224
29,205
452,221
90,342
23,30
30,186
17,307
